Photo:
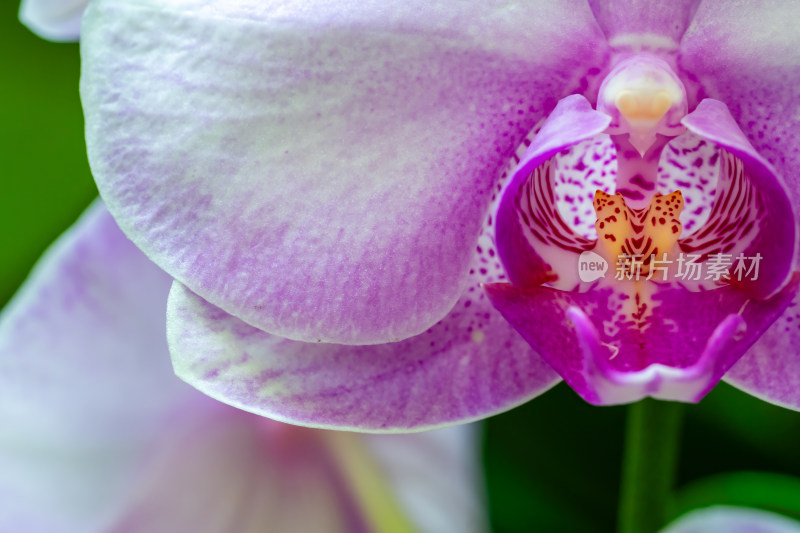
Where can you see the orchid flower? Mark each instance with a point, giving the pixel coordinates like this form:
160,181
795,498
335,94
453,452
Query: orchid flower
376,218
96,434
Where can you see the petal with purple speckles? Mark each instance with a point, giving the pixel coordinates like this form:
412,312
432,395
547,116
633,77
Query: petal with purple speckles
752,212
748,57
535,244
320,171
468,366
770,370
664,349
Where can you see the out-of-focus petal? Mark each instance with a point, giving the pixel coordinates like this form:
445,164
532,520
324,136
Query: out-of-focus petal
56,20
217,469
643,24
318,170
770,370
84,378
726,519
470,365
436,477
747,54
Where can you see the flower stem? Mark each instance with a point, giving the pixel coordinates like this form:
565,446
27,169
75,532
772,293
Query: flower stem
648,466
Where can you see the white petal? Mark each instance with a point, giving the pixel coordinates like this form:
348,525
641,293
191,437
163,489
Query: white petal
56,20
84,378
724,519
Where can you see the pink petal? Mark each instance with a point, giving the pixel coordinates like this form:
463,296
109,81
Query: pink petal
770,370
84,378
470,365
631,23
748,56
436,476
320,171
219,470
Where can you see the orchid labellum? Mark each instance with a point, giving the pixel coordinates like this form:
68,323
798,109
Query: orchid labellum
696,269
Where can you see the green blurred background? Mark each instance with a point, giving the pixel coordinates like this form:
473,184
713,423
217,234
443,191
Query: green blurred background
45,176
552,465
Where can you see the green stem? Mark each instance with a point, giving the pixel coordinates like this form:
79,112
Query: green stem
648,467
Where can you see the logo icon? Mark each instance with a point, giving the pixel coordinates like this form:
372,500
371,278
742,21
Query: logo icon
591,267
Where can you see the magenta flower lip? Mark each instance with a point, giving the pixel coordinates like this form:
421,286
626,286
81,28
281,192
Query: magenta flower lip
661,362
679,339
